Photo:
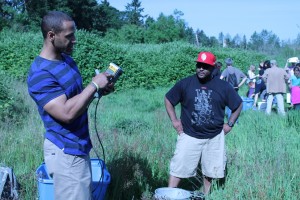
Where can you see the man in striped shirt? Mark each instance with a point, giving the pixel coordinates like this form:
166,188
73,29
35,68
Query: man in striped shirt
55,84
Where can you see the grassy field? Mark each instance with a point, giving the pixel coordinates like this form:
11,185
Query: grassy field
138,140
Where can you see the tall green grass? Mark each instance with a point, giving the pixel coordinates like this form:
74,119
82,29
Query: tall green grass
21,142
138,140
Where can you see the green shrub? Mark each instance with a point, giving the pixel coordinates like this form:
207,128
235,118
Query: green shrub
11,104
144,65
17,50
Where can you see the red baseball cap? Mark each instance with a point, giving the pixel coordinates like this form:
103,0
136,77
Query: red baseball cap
207,58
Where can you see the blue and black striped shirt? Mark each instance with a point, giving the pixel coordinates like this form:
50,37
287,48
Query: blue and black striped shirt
50,79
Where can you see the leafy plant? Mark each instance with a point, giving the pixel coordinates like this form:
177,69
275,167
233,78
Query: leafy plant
10,102
147,66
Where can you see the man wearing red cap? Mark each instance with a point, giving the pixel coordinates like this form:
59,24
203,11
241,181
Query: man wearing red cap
201,127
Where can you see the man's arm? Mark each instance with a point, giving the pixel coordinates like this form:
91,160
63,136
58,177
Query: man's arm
172,115
242,82
67,110
264,76
223,74
287,77
286,67
233,117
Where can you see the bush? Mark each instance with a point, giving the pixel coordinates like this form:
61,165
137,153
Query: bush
144,65
11,105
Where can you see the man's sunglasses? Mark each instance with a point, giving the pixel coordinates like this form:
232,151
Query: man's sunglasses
203,66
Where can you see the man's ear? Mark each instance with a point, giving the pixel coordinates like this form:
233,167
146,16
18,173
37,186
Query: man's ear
51,35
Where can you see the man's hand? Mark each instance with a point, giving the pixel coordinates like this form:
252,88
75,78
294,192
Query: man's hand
178,126
102,80
105,86
226,128
108,89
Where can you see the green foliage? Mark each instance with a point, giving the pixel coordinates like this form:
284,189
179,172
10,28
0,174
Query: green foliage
9,10
17,51
266,41
35,9
88,14
242,59
201,36
292,119
133,13
6,102
165,29
99,17
83,11
130,34
10,101
106,17
147,66
139,140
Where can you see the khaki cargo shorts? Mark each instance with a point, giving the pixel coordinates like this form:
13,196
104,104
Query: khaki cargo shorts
190,151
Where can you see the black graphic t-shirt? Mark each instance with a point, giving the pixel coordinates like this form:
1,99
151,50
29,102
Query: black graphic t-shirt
203,105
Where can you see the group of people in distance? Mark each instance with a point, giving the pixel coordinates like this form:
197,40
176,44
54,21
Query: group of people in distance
55,84
272,81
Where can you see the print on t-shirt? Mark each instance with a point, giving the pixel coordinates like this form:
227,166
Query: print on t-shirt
203,108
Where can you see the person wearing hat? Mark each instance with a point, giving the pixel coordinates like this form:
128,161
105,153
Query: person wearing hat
201,128
290,65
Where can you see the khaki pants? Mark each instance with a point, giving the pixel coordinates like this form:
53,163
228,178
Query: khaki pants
280,103
71,174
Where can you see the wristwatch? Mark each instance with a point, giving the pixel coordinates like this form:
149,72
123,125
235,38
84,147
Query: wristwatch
230,124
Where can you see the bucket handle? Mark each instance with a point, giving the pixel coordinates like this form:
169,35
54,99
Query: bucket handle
197,196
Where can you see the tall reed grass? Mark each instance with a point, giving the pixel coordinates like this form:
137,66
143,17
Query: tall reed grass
138,141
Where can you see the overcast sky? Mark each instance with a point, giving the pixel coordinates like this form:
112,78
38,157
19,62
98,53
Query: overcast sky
242,17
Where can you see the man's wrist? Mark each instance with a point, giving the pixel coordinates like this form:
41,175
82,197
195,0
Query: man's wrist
230,124
95,85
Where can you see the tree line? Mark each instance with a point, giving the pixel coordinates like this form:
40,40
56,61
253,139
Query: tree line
131,26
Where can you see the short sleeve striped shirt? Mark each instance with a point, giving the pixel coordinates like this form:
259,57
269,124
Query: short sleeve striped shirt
50,79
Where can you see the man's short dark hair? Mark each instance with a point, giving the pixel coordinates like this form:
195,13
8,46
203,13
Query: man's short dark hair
52,21
261,72
267,64
218,65
228,61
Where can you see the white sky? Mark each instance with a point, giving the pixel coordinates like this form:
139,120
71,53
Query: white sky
242,17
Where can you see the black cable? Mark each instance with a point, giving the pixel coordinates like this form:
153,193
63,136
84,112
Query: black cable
95,123
100,182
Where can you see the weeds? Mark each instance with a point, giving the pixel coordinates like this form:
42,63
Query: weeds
262,151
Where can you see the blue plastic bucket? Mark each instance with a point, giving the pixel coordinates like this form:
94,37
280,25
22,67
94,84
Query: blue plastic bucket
99,184
247,103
